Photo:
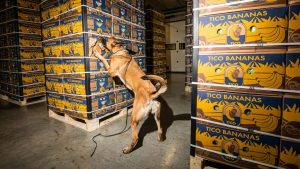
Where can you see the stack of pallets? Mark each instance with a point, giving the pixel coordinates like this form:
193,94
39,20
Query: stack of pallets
155,46
188,45
246,83
79,89
21,57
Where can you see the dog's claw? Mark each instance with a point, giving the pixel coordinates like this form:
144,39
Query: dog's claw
127,150
160,138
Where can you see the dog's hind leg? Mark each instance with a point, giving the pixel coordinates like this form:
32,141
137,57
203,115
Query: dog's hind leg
156,112
134,124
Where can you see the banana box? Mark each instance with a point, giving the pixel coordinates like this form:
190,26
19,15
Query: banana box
3,40
141,61
260,26
127,44
138,34
102,5
54,66
51,29
289,154
259,70
121,10
292,75
31,4
23,27
291,116
67,5
27,65
52,48
123,95
27,90
121,29
4,53
55,100
3,28
188,40
188,60
31,53
22,14
71,25
139,4
294,23
138,17
4,65
189,30
55,84
139,48
99,23
293,1
26,78
30,40
156,53
223,6
123,105
252,111
72,46
49,9
156,61
231,146
78,65
105,99
104,111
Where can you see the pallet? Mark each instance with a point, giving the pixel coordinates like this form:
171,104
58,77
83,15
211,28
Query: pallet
188,89
25,101
89,124
202,163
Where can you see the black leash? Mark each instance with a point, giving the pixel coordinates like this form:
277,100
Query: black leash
126,123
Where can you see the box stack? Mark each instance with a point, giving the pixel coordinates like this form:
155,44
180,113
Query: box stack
155,46
78,85
188,45
21,57
246,92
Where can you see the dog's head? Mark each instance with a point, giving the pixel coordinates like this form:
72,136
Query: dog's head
113,43
99,45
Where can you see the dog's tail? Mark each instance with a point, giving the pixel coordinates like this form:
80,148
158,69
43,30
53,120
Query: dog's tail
163,85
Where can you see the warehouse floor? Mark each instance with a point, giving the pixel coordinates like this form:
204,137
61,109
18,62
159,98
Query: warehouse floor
29,139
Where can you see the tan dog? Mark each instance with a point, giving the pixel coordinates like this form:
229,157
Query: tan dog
126,68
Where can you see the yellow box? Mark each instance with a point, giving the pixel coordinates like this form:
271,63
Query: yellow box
71,25
52,48
259,70
292,76
50,9
51,29
222,6
227,145
56,100
54,84
30,40
72,46
31,53
289,154
54,66
29,90
247,27
291,116
294,23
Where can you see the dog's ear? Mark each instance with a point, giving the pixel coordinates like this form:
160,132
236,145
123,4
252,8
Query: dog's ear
118,43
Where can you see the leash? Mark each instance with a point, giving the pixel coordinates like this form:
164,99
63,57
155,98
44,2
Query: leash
126,122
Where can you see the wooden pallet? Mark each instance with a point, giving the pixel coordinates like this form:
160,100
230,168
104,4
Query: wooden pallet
89,124
25,101
202,163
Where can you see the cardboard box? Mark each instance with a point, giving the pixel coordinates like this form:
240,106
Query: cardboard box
188,60
233,144
294,23
141,61
289,154
99,23
121,10
24,40
252,111
121,29
52,48
139,4
138,17
247,27
138,34
139,48
22,27
78,65
292,75
67,5
102,5
155,28
72,46
51,29
53,66
291,116
71,25
26,78
26,65
54,84
156,61
31,4
155,53
224,7
30,53
123,95
188,40
50,9
22,14
56,100
259,70
27,90
189,30
3,40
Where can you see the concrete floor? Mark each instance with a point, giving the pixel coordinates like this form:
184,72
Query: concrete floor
30,139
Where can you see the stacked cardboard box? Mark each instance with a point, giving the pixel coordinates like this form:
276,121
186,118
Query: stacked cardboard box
155,46
77,84
21,56
188,45
240,49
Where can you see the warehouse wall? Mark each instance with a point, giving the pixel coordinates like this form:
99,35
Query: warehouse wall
175,33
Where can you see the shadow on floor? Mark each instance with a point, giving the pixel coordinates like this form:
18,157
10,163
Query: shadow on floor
167,119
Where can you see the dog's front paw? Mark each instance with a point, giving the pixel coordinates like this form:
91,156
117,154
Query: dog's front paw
160,138
127,149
